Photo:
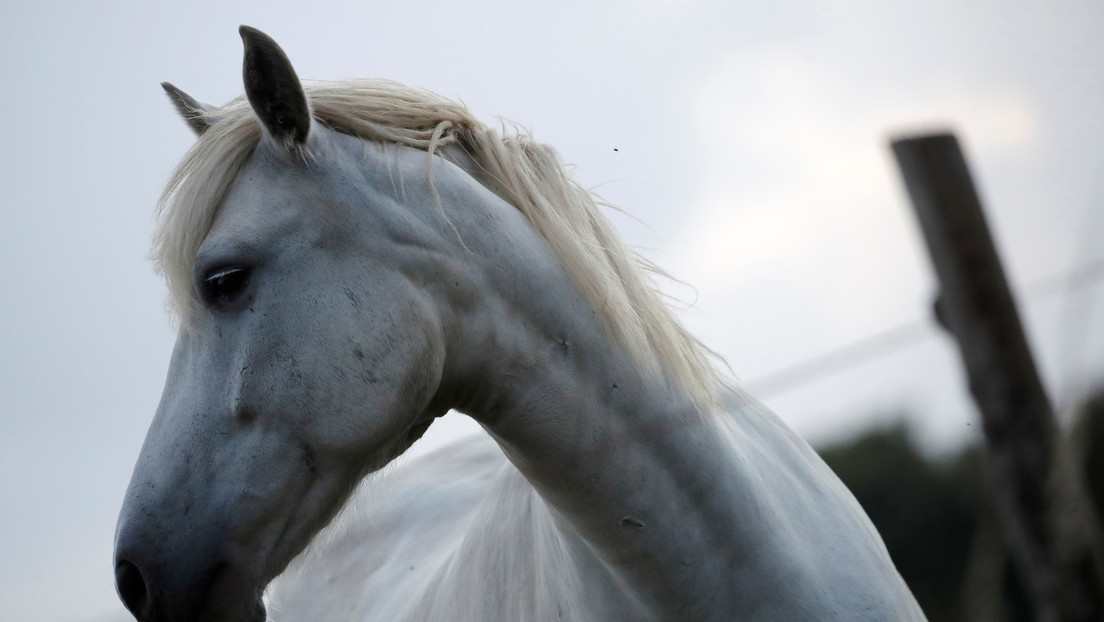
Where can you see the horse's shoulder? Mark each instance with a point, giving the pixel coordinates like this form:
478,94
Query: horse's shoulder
812,534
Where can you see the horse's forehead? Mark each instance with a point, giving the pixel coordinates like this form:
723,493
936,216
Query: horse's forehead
255,209
346,190
272,195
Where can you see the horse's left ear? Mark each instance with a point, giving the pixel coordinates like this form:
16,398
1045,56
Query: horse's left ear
273,89
195,113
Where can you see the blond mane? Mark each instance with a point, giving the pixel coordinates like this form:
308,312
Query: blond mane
530,177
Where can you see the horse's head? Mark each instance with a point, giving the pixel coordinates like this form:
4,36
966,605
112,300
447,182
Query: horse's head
311,357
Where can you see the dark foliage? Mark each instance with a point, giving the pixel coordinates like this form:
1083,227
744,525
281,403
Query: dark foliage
926,512
937,517
1091,435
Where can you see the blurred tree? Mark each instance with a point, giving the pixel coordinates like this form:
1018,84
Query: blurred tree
937,517
927,511
1089,437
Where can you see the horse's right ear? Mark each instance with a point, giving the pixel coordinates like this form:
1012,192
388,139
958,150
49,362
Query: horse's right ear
274,90
194,112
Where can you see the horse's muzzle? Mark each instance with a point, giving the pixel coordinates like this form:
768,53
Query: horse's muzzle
211,599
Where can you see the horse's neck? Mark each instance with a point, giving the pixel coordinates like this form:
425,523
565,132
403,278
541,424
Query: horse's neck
646,485
695,515
624,461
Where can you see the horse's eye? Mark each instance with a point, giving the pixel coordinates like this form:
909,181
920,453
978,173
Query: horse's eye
224,286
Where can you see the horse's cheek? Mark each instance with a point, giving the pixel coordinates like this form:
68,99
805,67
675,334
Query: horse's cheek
379,390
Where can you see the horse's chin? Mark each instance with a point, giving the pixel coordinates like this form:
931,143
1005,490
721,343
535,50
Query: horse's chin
252,611
258,612
225,608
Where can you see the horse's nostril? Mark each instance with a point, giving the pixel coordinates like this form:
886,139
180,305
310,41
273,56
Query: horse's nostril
131,587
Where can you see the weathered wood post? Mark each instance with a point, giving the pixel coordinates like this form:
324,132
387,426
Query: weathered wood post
1047,525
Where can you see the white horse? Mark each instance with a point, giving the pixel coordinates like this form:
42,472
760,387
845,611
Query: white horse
352,260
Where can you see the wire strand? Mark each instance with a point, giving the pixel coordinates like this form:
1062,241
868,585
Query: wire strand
905,335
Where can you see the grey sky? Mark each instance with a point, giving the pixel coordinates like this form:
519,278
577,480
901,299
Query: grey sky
748,137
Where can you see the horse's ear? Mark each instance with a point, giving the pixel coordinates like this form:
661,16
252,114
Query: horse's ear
194,112
273,89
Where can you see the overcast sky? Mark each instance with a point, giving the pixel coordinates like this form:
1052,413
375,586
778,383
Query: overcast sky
748,138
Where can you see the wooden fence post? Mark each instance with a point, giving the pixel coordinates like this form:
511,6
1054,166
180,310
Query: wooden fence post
1047,525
